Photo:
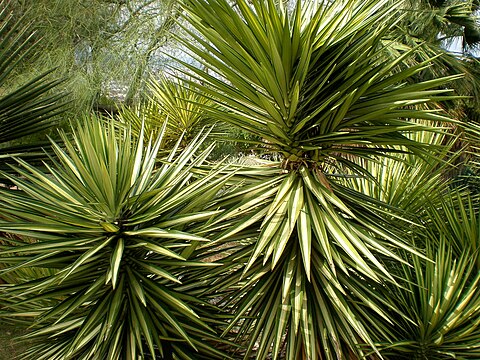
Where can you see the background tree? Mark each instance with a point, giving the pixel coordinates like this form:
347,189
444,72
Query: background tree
444,22
104,48
28,107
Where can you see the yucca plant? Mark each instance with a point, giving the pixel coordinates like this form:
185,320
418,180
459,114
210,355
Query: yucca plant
410,183
439,300
183,108
315,83
27,108
112,226
174,104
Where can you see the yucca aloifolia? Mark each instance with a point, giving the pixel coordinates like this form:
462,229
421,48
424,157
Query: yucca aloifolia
182,108
112,223
439,299
175,105
315,82
446,304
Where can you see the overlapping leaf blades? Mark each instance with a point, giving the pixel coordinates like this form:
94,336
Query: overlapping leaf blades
438,300
318,86
308,284
173,104
113,226
314,83
181,107
305,256
442,303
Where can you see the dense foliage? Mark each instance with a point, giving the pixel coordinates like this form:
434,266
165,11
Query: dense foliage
351,240
27,108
